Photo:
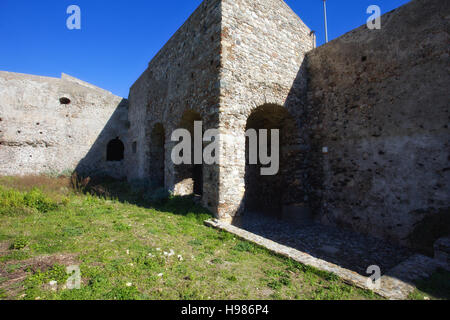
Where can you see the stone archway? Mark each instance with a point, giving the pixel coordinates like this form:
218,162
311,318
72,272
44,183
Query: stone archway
189,177
272,194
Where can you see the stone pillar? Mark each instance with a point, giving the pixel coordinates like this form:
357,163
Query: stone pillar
231,170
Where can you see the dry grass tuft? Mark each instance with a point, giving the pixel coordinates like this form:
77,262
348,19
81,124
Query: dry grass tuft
45,183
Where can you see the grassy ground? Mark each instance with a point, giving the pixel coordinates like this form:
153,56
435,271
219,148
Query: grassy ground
437,287
129,249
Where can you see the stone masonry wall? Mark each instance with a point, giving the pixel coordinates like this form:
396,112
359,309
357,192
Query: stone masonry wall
229,58
363,119
39,134
263,48
181,80
378,113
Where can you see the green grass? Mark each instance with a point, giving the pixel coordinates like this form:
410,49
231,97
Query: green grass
124,250
14,202
437,287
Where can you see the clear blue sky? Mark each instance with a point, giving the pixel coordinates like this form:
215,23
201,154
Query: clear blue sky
118,38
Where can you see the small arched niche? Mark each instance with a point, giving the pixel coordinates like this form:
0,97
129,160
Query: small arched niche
115,150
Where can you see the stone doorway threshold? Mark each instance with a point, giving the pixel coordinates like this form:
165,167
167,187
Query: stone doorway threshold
396,284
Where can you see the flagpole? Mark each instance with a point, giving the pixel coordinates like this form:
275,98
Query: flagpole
325,17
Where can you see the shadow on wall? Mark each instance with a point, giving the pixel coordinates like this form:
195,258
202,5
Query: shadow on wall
106,156
286,195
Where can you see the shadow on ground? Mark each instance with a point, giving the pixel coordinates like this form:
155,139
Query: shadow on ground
344,248
437,286
140,194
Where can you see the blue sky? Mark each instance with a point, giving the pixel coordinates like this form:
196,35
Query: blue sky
118,38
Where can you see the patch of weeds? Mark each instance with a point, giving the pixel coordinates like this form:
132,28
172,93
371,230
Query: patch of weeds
277,279
123,293
121,227
195,242
244,246
72,231
276,296
171,229
36,199
3,294
17,211
13,268
275,285
191,294
436,287
154,263
4,237
225,236
217,261
332,291
34,282
91,201
297,266
119,265
19,243
199,218
14,202
232,278
322,294
48,246
366,293
98,281
15,256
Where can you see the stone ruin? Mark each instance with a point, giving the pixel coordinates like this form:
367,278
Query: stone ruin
363,119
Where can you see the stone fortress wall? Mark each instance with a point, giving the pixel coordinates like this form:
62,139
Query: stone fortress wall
363,119
50,125
263,86
357,115
180,85
378,100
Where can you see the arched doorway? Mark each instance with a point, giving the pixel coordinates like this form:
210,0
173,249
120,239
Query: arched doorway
115,150
270,193
157,155
189,177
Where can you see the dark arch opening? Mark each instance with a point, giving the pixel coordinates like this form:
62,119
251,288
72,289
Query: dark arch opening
191,173
269,194
157,155
115,150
